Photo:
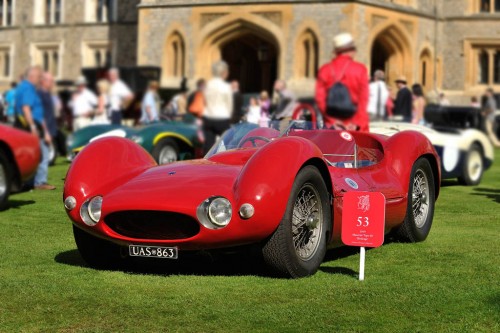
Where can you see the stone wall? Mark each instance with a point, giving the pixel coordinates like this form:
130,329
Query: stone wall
70,35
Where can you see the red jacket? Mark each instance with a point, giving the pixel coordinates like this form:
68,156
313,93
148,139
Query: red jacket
355,79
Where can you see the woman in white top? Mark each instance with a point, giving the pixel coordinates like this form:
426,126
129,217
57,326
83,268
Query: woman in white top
102,112
218,105
254,111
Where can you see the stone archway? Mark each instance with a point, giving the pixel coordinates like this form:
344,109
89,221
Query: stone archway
391,52
257,42
252,62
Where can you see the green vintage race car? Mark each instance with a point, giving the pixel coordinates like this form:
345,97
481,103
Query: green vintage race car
166,141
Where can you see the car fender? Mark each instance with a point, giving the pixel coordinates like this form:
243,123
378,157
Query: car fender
104,165
404,148
267,179
22,149
471,136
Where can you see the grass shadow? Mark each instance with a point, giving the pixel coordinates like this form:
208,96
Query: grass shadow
16,204
71,257
450,182
493,194
340,271
199,263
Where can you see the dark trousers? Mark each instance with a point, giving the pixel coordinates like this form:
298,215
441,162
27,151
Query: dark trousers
212,128
116,117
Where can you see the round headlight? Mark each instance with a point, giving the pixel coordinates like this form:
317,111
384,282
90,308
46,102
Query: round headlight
246,211
95,205
220,211
70,203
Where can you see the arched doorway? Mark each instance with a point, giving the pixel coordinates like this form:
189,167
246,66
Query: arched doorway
252,62
379,57
390,52
242,38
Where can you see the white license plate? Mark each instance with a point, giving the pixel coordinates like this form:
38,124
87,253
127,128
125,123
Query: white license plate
153,251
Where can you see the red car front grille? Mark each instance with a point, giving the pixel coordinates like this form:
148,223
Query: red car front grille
152,224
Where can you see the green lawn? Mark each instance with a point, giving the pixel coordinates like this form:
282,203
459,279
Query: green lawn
449,283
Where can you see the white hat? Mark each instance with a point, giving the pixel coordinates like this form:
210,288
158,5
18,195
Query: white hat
81,81
343,42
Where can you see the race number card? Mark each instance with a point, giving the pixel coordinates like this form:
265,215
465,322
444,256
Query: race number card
363,219
363,222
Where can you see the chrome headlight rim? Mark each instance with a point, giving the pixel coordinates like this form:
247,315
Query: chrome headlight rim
206,212
90,211
95,208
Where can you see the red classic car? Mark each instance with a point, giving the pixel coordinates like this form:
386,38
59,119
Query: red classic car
282,191
19,158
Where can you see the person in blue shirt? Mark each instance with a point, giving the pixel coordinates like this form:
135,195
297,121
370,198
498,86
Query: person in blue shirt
10,102
29,115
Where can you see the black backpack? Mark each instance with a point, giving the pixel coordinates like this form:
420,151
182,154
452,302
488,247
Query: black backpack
338,100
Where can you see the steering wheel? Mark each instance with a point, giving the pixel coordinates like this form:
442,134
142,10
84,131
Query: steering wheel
302,111
252,139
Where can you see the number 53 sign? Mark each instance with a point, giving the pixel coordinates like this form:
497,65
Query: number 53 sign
363,219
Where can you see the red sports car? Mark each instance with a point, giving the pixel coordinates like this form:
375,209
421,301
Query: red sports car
282,191
19,158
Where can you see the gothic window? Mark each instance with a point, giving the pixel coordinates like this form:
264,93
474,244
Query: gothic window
496,68
308,55
96,54
48,11
48,56
175,56
105,10
426,70
489,6
5,62
6,12
484,67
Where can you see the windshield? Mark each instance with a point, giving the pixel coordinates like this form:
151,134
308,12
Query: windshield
247,135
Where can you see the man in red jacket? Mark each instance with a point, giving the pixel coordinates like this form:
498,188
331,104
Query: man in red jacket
353,75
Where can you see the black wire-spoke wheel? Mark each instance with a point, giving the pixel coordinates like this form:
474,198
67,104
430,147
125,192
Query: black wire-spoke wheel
306,222
421,200
298,246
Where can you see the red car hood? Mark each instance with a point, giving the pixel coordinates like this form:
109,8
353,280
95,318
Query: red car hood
179,187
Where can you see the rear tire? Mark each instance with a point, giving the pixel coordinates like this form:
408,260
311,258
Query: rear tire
297,248
5,180
421,200
473,167
96,252
166,151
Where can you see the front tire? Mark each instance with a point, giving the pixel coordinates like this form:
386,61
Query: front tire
166,151
96,252
5,180
473,167
298,246
421,200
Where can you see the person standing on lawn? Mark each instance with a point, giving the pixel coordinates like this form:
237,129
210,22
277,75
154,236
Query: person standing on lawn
353,75
120,96
403,106
218,105
30,117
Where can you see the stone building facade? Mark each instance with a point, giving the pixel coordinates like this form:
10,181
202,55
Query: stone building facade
451,46
64,36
